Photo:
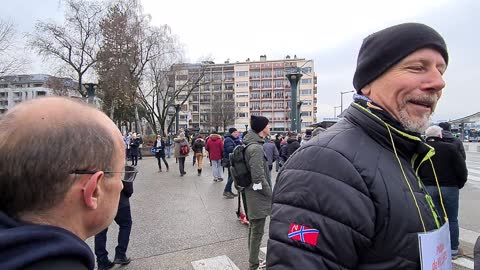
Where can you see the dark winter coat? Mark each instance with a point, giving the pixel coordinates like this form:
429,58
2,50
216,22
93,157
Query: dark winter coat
259,202
449,164
198,146
347,183
31,246
229,144
134,144
215,147
448,137
125,195
292,146
159,148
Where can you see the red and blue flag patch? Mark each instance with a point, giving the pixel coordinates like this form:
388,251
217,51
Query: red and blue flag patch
303,234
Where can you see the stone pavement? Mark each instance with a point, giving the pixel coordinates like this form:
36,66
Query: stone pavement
183,222
179,220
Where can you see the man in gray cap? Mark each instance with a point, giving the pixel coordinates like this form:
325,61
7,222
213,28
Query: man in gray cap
350,198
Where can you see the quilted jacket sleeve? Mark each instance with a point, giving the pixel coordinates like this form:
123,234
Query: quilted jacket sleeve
321,189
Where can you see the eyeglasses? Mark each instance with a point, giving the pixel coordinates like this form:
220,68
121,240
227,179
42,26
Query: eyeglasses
128,175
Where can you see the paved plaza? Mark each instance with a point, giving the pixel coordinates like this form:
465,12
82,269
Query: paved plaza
186,223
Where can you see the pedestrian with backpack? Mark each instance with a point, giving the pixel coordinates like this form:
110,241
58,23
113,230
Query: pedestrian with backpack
181,152
231,140
197,147
259,193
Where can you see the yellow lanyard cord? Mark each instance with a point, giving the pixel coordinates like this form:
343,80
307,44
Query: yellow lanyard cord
405,177
439,191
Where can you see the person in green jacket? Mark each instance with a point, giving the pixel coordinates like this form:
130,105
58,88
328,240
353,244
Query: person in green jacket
259,194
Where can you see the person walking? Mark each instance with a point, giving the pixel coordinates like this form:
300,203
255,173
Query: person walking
197,147
215,151
134,144
123,219
450,170
272,155
278,141
351,198
231,140
159,147
180,143
258,195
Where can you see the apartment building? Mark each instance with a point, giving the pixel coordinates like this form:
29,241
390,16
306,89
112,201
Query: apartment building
247,88
17,88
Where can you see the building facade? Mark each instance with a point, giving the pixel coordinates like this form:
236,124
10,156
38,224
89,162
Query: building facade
230,93
18,88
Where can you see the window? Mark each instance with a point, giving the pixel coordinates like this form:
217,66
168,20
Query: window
242,73
278,94
242,95
242,115
306,92
306,113
195,107
278,105
217,87
266,105
255,74
255,84
255,105
228,96
278,73
19,86
182,77
307,102
18,94
267,84
217,76
255,95
229,86
242,84
266,73
266,94
3,102
306,81
307,70
242,104
41,93
3,94
228,76
3,85
278,83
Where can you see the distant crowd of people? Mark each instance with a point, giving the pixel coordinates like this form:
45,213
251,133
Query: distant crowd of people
355,196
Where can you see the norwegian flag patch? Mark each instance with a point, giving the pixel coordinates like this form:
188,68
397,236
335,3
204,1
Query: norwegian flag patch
303,234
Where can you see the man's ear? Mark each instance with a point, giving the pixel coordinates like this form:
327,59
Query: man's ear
366,90
91,190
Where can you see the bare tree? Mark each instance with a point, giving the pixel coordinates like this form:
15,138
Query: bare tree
223,111
10,62
76,42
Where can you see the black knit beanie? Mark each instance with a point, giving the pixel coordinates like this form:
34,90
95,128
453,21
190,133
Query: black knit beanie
231,130
258,123
383,49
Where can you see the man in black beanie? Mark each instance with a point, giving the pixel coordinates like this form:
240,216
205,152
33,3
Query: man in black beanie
447,136
259,194
350,198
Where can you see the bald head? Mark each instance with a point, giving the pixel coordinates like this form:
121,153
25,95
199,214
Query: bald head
42,142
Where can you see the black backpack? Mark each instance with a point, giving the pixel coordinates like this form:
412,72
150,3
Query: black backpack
238,166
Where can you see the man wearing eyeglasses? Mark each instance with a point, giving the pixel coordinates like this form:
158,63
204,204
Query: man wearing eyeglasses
55,190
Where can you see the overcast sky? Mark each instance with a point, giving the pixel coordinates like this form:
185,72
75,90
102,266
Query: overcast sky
329,32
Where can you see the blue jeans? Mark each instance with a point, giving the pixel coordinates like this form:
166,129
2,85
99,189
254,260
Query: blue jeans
450,200
169,151
228,186
124,221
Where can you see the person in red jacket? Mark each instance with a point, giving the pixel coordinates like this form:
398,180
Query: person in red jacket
215,150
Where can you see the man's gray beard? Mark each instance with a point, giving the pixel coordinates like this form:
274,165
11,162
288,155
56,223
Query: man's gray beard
414,126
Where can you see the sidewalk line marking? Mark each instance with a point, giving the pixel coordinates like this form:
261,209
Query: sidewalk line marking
467,263
468,236
215,263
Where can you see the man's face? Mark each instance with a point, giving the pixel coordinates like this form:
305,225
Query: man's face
235,134
410,90
266,130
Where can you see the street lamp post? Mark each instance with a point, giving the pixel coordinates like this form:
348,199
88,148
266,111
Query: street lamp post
299,116
294,78
177,117
341,99
335,110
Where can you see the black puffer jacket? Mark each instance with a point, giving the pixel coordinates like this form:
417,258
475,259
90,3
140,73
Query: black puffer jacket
448,137
449,164
347,184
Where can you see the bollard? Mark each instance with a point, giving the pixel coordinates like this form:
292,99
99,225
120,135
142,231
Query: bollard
476,255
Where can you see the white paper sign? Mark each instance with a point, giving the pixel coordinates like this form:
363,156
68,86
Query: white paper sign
435,252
